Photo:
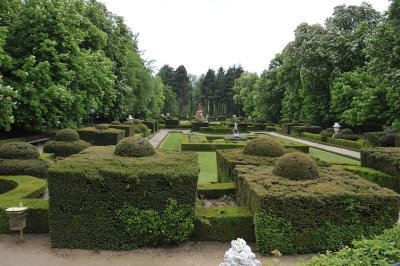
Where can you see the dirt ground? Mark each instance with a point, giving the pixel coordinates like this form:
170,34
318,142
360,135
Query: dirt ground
35,250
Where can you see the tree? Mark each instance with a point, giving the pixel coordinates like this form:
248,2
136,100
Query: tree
181,86
245,92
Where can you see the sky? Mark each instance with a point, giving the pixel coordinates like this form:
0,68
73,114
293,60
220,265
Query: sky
203,34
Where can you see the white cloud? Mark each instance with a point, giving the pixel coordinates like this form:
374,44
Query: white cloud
213,33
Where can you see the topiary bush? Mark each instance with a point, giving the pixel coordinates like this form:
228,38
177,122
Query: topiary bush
137,130
346,131
264,147
127,123
102,126
137,121
115,123
142,127
19,150
134,147
67,134
327,132
65,148
296,166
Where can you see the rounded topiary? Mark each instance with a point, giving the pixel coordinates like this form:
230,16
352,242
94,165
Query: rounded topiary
102,126
327,132
115,123
137,130
65,148
346,131
296,166
142,127
264,147
19,150
134,147
127,123
67,134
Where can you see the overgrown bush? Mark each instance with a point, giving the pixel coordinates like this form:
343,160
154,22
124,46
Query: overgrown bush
101,126
264,146
67,134
115,123
19,150
134,147
296,166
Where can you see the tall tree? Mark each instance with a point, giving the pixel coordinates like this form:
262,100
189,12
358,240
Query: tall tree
181,86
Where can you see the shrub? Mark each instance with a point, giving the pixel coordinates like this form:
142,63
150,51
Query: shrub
137,130
101,126
286,127
98,137
297,130
18,150
391,130
172,122
142,127
383,249
115,123
196,125
351,137
346,131
151,124
33,167
152,228
137,121
215,190
127,123
264,146
223,224
307,216
129,129
27,191
296,166
327,132
65,148
356,145
67,134
88,190
134,147
384,159
380,139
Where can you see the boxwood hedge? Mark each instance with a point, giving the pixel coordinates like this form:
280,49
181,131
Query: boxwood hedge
129,129
313,215
25,189
93,192
386,159
101,137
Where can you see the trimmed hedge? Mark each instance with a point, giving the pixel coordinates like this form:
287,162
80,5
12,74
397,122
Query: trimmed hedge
223,224
171,122
286,127
27,191
228,159
66,134
384,159
313,215
316,137
196,125
129,129
223,130
96,198
381,250
65,148
397,140
381,139
215,190
297,130
152,124
345,143
375,176
19,150
186,145
33,167
101,137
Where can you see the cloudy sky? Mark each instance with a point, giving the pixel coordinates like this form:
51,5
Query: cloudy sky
203,34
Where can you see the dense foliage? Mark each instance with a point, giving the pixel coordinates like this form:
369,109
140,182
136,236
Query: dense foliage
59,57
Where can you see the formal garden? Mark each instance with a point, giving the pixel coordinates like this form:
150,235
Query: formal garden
99,152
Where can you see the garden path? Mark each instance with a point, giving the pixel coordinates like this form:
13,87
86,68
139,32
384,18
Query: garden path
343,151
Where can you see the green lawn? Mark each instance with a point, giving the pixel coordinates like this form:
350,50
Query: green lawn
172,142
331,157
208,167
